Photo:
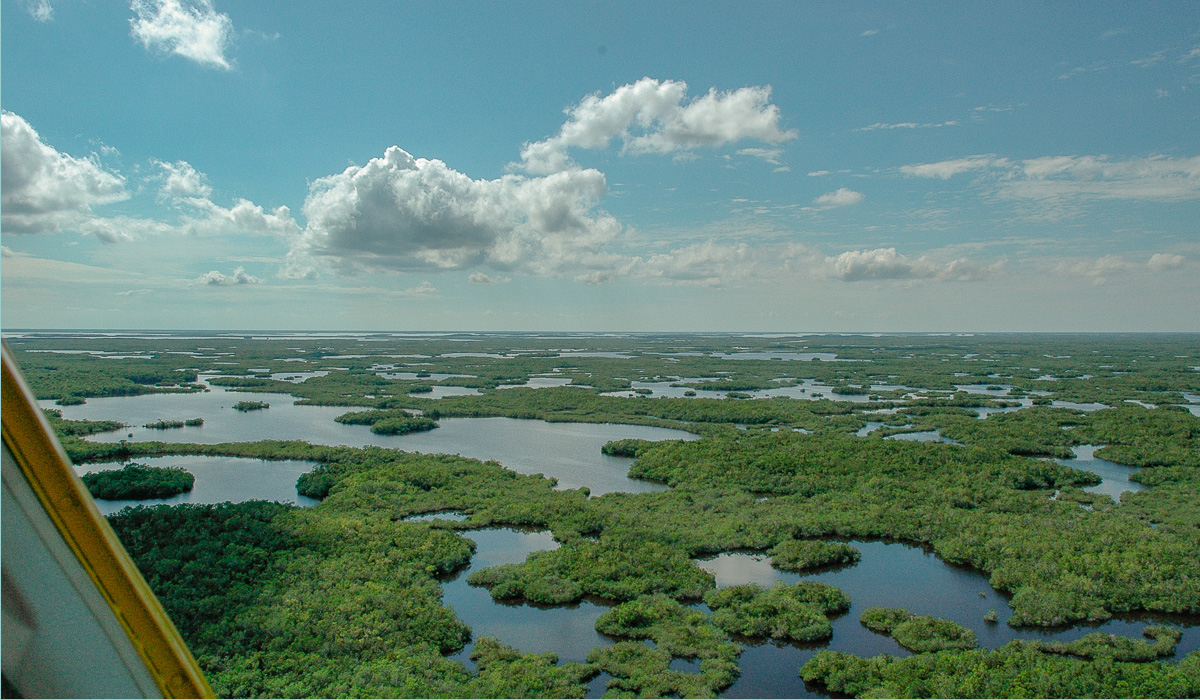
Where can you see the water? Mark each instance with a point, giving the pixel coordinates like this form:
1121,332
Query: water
569,452
891,575
1115,477
220,479
569,631
923,436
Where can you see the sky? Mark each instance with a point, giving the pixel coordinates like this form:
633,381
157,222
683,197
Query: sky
600,166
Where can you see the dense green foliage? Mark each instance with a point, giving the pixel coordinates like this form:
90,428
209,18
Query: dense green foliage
1118,648
805,555
343,599
245,406
1016,670
388,422
169,424
677,632
136,481
78,428
919,633
798,613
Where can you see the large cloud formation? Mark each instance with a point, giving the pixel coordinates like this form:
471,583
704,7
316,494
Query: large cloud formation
650,116
398,212
44,191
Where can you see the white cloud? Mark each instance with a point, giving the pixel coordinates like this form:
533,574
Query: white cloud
400,213
947,169
182,180
650,116
1158,178
1102,268
40,10
907,125
887,264
215,278
869,32
770,155
841,197
190,28
1161,262
244,217
481,278
44,191
1056,181
421,291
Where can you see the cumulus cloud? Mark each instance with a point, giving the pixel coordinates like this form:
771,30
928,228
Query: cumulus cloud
400,213
192,29
841,197
651,116
182,180
887,264
215,278
245,217
1161,262
42,190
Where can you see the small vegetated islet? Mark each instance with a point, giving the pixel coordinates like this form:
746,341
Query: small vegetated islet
136,481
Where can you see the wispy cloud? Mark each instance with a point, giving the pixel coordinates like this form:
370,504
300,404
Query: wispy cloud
906,125
869,32
192,29
1099,270
40,10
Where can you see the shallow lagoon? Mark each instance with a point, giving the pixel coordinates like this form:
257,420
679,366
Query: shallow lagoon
569,452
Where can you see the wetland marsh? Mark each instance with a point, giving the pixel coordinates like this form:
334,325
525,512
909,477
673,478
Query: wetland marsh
977,490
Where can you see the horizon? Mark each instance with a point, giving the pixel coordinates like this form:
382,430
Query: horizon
906,168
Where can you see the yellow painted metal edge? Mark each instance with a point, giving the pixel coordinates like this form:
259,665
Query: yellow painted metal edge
45,465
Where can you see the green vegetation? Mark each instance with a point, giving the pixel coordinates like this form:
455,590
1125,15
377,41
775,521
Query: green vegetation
805,555
245,406
1112,646
918,633
677,632
78,428
388,422
344,599
630,447
1016,670
798,613
169,424
136,481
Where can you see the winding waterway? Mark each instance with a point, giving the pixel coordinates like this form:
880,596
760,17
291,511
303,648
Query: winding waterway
889,574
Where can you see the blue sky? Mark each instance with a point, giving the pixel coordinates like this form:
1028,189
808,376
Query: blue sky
795,166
